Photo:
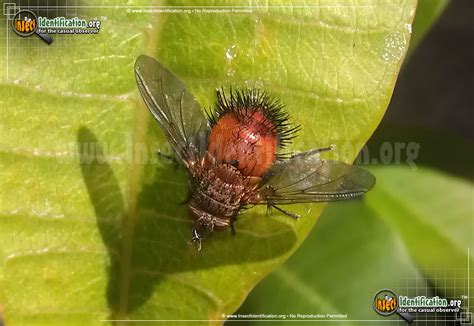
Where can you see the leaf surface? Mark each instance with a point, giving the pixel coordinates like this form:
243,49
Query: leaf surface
91,222
434,215
349,257
410,234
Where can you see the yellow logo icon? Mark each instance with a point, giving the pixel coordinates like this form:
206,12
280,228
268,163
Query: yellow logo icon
25,23
385,302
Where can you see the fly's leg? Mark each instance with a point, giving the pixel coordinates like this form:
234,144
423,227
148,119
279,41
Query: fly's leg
204,225
196,239
232,221
293,215
314,151
269,210
168,158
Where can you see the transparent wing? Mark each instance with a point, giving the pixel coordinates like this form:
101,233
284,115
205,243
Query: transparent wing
308,178
173,106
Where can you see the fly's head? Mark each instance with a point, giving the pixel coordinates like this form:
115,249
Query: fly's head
204,224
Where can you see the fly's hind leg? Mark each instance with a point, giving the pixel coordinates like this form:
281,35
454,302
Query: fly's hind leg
231,224
292,215
315,151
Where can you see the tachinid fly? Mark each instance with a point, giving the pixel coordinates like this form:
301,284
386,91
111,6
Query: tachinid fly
232,153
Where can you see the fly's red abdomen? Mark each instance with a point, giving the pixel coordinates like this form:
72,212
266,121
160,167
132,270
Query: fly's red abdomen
246,139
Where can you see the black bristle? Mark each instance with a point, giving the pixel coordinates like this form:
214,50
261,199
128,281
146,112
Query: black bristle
257,100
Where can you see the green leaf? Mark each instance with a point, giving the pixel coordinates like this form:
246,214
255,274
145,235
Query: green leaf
410,234
433,214
349,257
91,222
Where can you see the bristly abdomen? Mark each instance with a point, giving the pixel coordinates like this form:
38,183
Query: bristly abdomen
247,129
255,99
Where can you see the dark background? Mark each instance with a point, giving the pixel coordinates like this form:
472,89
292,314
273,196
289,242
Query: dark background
433,99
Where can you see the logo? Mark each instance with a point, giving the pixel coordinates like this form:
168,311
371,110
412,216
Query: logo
26,23
385,302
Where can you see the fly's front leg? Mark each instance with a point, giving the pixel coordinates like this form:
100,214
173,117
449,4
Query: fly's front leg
196,239
168,158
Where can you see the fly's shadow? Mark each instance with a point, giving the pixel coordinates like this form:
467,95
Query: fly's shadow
106,197
156,247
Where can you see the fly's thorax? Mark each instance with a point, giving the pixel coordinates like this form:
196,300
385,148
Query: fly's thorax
219,191
218,188
226,178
